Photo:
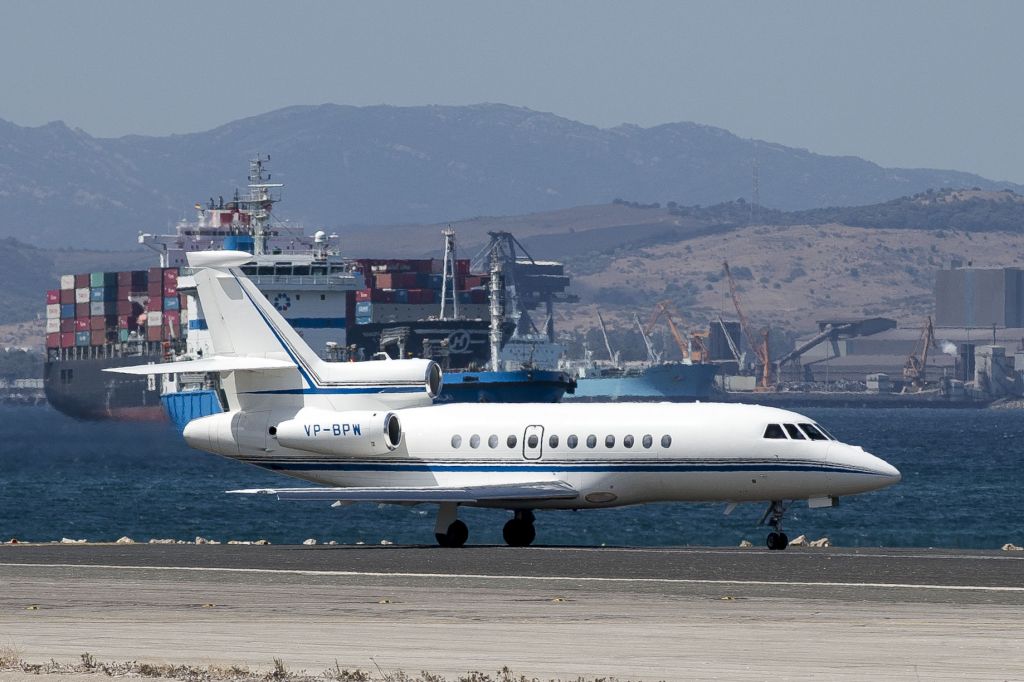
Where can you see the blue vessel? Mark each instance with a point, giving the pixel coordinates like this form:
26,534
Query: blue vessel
516,386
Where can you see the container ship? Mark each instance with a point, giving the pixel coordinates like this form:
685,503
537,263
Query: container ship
349,309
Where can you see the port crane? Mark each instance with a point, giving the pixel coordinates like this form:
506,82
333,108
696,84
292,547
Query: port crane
679,335
759,345
917,362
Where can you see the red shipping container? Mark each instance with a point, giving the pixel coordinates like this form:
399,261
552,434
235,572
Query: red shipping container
99,337
125,321
53,296
123,292
462,266
170,290
171,276
364,295
153,333
82,310
183,302
172,321
67,296
67,340
124,307
124,279
81,281
53,340
96,323
82,324
67,325
155,275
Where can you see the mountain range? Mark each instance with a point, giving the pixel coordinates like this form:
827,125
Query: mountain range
381,165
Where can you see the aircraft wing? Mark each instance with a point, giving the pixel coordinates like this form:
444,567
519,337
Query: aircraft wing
541,490
218,363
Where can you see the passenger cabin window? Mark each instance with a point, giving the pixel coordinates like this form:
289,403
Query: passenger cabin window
456,441
511,441
474,441
532,441
591,441
553,441
648,441
794,432
774,431
812,432
492,441
609,441
666,441
627,442
572,441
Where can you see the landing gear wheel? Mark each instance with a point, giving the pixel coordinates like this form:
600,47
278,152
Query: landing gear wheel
458,533
518,533
777,540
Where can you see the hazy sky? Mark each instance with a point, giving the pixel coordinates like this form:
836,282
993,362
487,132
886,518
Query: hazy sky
906,83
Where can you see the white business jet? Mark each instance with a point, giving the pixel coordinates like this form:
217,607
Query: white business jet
368,432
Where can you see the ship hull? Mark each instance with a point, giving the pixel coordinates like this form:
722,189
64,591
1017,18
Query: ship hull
672,381
520,386
81,389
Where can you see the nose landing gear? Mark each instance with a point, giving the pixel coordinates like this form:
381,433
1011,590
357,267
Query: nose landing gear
773,518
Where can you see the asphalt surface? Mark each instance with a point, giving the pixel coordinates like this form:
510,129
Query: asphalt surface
546,612
990,572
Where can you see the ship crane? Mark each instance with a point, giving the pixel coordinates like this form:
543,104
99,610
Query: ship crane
759,345
612,355
682,339
652,356
917,362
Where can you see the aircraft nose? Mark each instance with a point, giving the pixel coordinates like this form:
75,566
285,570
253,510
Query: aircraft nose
890,474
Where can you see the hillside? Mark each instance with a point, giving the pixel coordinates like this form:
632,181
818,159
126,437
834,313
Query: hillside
350,166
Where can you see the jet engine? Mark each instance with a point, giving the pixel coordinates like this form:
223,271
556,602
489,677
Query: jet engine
350,433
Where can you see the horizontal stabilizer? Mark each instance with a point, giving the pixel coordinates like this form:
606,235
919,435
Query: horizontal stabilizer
218,363
544,490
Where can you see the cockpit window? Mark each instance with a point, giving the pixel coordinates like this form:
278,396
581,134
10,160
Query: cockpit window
827,434
794,432
812,432
774,431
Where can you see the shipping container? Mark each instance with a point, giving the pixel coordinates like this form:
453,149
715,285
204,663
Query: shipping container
98,338
67,282
123,334
67,311
67,324
103,308
103,294
83,338
364,308
478,296
67,339
171,276
170,290
83,310
82,324
97,323
155,290
155,276
171,303
53,296
82,295
124,307
172,322
154,318
53,325
154,333
53,340
67,296
81,281
364,295
400,295
103,279
53,311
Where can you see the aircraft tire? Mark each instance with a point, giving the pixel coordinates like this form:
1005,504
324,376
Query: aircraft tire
777,541
518,533
458,533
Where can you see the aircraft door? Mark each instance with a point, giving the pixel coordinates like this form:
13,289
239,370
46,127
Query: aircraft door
533,442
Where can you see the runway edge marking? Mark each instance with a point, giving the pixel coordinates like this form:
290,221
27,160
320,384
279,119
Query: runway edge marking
535,578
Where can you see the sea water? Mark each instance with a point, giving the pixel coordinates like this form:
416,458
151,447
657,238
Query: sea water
962,487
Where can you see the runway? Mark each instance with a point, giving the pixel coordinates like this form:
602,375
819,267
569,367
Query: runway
631,613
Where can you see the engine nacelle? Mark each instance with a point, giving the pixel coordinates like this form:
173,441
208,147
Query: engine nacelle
350,433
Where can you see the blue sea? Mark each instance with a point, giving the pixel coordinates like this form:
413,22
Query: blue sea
962,487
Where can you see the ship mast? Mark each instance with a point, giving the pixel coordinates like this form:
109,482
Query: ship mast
259,203
448,278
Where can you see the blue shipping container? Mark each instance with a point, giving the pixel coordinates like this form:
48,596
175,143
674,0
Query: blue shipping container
364,308
82,338
67,311
172,303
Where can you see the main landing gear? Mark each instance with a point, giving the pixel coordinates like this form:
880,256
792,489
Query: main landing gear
450,532
519,531
773,517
